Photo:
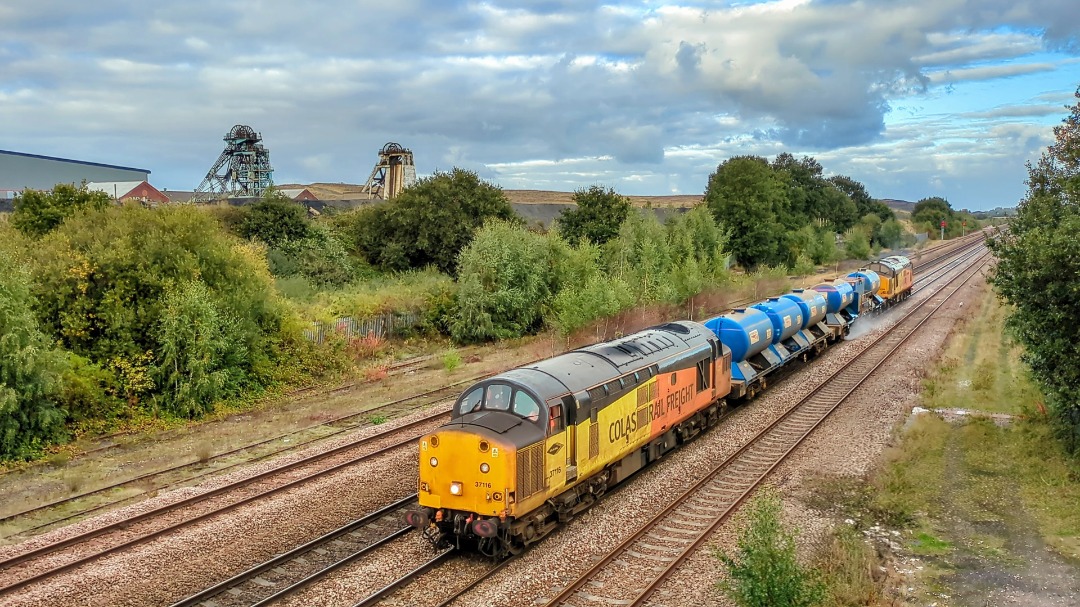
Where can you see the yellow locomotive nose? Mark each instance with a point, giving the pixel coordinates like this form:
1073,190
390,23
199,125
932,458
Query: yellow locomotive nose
462,471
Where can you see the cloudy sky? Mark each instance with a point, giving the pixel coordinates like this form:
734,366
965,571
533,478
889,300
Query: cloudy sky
914,98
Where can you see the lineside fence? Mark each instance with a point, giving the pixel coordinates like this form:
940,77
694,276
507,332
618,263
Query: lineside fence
382,326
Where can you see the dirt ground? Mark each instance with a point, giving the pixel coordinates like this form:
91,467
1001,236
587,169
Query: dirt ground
999,558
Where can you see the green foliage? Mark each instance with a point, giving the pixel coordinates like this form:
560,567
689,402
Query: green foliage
746,195
810,196
30,371
451,359
107,287
892,235
597,217
275,220
599,297
857,243
505,278
319,257
38,213
200,346
1038,262
764,571
90,392
864,204
427,224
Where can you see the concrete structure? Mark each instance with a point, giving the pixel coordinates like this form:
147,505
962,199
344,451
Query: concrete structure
129,190
19,171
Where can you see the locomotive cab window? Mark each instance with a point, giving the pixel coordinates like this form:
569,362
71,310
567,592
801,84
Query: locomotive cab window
526,406
471,402
498,397
555,421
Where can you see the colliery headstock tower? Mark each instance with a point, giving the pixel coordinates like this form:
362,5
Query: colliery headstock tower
394,172
242,171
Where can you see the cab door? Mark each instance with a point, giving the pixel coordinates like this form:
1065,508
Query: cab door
558,450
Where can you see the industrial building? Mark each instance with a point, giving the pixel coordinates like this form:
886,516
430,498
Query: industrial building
19,171
123,191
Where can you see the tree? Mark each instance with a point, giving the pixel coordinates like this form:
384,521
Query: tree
597,217
764,571
275,220
745,195
1038,262
109,283
863,202
38,213
30,371
931,211
430,222
504,282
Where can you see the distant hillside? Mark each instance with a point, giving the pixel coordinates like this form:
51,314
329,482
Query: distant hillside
898,205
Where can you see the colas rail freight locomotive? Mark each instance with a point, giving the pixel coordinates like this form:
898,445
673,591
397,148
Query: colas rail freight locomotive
528,449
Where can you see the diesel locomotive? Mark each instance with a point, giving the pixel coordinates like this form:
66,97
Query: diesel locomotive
528,449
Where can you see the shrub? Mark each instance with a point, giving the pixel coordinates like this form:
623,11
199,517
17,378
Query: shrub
764,571
275,220
430,223
38,213
30,371
451,360
504,281
111,286
597,217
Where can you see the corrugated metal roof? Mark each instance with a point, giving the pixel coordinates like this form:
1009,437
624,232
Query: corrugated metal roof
83,162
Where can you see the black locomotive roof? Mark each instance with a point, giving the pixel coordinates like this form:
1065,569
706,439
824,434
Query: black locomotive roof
581,369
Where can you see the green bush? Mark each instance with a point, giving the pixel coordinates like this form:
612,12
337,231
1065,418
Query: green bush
504,281
857,243
275,220
38,213
30,371
430,223
319,257
597,216
90,392
107,285
764,571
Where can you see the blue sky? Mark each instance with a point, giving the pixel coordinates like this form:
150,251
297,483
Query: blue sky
916,98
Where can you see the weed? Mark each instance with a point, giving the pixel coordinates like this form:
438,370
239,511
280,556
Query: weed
204,451
848,566
374,374
764,571
59,460
73,483
379,419
451,360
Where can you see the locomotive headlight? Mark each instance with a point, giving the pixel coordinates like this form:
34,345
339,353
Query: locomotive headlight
434,462
484,468
455,488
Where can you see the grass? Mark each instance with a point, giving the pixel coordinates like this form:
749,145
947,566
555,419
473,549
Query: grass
451,360
964,491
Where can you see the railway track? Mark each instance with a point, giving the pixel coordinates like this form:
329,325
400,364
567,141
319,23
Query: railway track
657,549
339,425
632,572
24,569
300,567
146,482
22,566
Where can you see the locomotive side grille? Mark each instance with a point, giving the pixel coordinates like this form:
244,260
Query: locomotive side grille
530,470
647,394
644,416
594,440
